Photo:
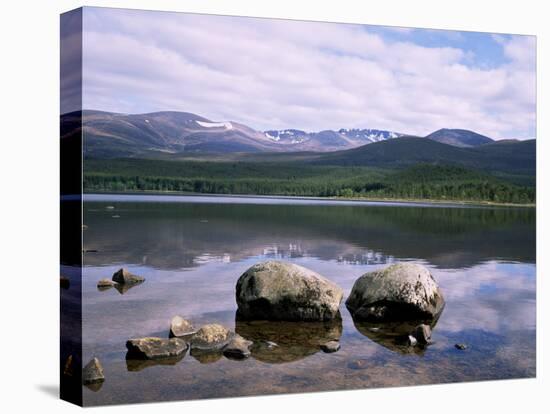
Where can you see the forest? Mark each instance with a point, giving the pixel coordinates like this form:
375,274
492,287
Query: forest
418,182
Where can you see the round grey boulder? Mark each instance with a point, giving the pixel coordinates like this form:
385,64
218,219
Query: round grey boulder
403,291
281,291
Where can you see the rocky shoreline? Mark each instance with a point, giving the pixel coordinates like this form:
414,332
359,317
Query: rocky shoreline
287,312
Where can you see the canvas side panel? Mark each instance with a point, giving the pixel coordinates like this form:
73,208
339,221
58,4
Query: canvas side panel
71,206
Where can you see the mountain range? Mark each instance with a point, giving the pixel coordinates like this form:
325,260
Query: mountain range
115,135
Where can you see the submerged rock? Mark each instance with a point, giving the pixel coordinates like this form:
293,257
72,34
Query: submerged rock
397,336
123,276
281,291
411,341
211,337
237,348
423,334
180,327
330,346
403,291
155,348
93,372
358,364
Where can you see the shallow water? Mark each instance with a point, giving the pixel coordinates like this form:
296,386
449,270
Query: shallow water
192,251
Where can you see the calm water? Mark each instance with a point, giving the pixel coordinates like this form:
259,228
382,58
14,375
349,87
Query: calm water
193,249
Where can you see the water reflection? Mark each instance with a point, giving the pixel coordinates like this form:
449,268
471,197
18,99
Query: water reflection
281,342
393,335
175,236
192,256
136,365
206,356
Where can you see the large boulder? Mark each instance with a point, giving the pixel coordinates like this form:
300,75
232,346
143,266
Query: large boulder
123,276
403,291
281,291
155,348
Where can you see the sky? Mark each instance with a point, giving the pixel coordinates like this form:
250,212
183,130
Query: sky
278,74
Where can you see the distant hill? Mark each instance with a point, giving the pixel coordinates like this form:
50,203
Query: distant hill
112,135
509,157
459,138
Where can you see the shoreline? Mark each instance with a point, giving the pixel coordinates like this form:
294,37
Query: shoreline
336,200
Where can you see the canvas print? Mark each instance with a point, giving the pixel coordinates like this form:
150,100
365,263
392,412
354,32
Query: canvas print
258,206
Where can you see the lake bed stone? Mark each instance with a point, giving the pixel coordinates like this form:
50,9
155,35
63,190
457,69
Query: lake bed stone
211,336
330,347
154,348
180,327
423,334
123,276
105,283
237,348
93,372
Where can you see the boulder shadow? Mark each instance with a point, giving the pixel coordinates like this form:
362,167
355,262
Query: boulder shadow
122,288
278,342
136,365
393,335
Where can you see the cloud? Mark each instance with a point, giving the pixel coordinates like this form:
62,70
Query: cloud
282,74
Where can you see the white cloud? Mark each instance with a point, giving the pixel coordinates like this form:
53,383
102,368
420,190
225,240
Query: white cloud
314,76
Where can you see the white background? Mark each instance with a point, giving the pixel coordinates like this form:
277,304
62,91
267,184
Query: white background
29,177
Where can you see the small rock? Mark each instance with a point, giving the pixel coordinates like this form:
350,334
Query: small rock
124,276
105,283
211,336
423,334
181,327
237,348
358,364
93,372
65,282
411,341
153,348
330,346
462,347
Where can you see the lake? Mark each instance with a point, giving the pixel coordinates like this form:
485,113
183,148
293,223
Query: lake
192,250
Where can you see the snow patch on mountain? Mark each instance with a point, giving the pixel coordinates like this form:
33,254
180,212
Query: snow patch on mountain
226,125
